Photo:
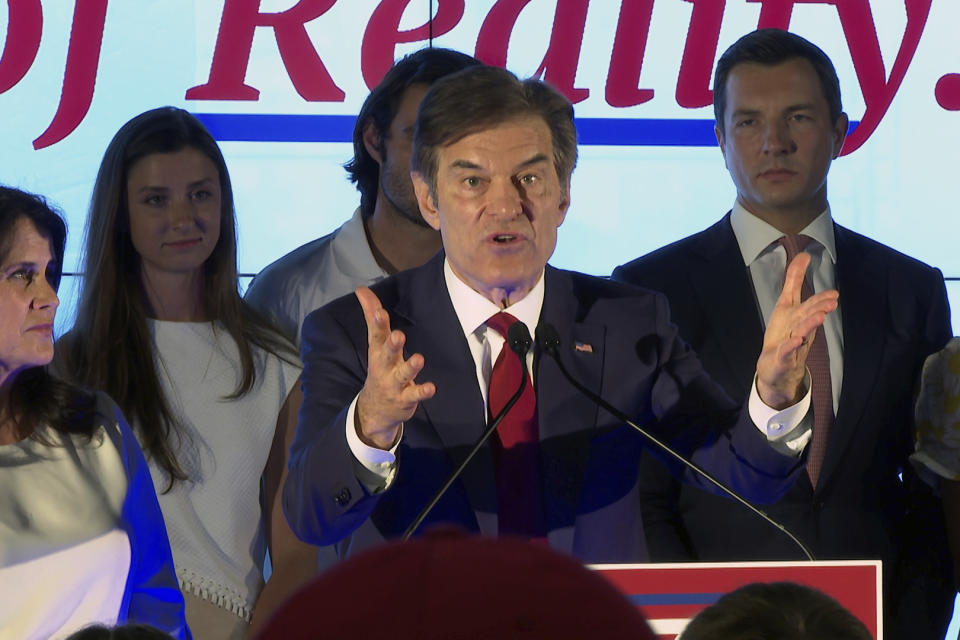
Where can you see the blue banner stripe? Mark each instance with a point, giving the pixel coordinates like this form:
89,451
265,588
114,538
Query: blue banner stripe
249,127
651,599
646,132
269,127
640,132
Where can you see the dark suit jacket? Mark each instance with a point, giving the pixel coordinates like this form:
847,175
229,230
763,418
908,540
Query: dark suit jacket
628,352
894,313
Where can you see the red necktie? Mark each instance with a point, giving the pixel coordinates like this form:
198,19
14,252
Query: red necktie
818,362
516,449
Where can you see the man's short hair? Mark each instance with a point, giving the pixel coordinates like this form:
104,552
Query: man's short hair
776,611
771,47
480,98
425,66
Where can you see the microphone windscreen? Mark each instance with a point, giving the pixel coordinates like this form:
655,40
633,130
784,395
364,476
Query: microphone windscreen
518,337
547,337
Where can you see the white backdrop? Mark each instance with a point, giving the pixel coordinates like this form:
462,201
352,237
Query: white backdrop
72,73
898,187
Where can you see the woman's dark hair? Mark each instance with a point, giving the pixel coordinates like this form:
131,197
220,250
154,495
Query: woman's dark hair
110,346
36,397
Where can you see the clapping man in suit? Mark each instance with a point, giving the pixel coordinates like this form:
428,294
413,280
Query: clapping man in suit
400,379
780,123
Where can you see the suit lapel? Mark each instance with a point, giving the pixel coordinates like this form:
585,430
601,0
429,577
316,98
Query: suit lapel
722,284
566,415
862,283
455,415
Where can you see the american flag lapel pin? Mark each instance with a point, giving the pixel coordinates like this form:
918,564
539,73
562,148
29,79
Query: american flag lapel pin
582,347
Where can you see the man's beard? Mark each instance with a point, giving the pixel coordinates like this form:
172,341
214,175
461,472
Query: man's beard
398,192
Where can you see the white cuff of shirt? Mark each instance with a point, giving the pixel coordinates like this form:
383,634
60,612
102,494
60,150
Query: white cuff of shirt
787,430
379,462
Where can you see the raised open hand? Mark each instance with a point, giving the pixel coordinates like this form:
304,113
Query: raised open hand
790,332
389,395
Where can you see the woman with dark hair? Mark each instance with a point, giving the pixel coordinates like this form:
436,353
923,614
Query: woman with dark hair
81,535
211,389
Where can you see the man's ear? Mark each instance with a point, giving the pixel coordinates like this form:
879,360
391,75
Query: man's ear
720,140
840,134
428,207
564,203
372,141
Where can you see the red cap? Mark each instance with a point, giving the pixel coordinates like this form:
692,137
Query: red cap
456,587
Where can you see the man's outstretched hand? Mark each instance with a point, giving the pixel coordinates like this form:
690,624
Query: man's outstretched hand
389,395
790,332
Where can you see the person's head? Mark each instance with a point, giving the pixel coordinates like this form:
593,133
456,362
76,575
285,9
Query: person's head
162,211
776,611
492,162
505,588
383,133
162,201
32,237
780,123
120,632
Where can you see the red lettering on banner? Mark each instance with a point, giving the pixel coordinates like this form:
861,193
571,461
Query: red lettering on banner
25,19
859,29
80,75
775,14
559,64
693,80
235,39
947,92
626,61
861,34
383,34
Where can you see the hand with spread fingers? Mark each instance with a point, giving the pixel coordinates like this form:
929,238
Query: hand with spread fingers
389,395
789,334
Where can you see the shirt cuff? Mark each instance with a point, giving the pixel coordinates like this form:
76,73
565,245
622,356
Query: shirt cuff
787,430
381,464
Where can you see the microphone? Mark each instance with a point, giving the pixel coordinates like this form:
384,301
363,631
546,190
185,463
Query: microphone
548,340
518,339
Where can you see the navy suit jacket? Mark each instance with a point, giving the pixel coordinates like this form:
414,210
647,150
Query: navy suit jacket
617,340
894,313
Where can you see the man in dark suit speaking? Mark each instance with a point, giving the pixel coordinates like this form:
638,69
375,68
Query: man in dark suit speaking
779,123
400,380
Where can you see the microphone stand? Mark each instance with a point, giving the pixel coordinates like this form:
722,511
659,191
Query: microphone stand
549,340
518,338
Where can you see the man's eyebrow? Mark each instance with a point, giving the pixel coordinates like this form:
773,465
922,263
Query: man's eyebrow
801,106
465,164
536,159
744,112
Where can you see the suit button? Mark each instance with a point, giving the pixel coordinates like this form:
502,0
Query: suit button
343,497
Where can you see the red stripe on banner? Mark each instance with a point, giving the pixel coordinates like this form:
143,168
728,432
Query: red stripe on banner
652,611
854,584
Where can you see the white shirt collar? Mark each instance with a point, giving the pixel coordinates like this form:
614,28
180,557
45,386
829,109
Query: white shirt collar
473,309
755,235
